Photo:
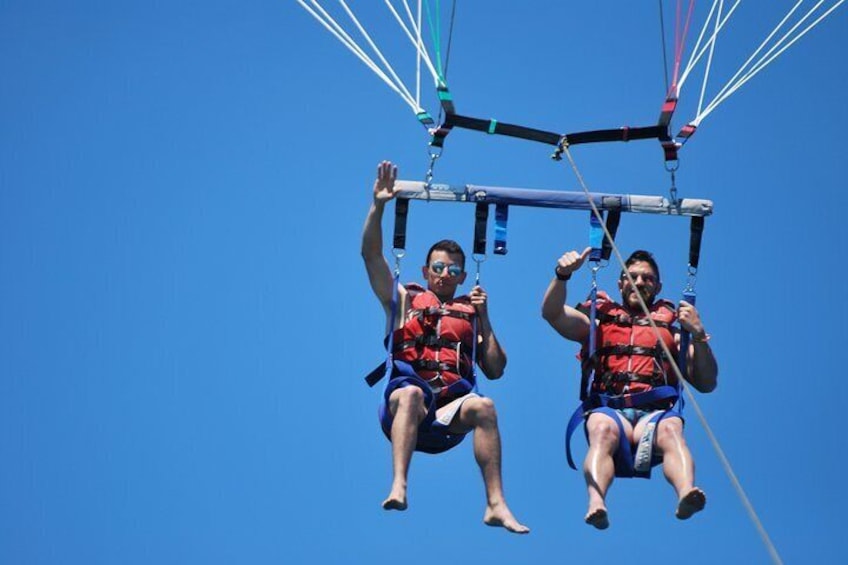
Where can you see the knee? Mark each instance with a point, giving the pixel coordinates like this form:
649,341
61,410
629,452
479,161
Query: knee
602,431
407,398
482,410
669,433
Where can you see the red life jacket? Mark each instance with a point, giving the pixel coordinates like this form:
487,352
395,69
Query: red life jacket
628,358
437,338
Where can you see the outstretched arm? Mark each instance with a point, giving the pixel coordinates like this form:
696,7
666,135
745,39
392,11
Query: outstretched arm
490,355
702,367
567,321
379,272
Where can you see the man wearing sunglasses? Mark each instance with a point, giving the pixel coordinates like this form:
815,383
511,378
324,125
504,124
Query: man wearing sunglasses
629,363
430,403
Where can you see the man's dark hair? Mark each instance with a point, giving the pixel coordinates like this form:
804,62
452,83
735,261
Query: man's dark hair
448,246
640,255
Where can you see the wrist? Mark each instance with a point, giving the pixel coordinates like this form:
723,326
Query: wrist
560,276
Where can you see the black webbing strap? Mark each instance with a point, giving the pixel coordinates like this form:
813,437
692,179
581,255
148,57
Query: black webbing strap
552,138
696,230
401,211
618,134
492,126
480,222
612,221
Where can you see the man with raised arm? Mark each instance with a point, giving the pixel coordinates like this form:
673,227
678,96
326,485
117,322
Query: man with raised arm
430,403
629,362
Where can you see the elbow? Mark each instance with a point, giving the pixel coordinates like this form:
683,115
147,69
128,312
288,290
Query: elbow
706,383
494,371
708,386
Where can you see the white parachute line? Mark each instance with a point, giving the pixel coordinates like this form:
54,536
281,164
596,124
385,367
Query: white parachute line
770,56
744,68
691,62
417,40
409,98
697,54
709,61
336,30
419,44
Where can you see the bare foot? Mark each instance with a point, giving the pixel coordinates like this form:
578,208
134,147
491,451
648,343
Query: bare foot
598,518
396,501
500,516
694,501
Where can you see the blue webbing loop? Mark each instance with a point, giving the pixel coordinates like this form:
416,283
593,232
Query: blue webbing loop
596,237
501,218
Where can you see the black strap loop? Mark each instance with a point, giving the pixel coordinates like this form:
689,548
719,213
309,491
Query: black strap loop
696,230
480,223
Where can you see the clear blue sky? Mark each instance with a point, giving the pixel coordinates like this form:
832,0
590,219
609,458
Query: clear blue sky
185,319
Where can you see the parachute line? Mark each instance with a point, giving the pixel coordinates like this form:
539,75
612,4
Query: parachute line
381,66
377,51
772,53
766,52
416,39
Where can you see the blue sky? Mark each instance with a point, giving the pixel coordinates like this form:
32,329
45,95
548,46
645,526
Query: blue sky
186,319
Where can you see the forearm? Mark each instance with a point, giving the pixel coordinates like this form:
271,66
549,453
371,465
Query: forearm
372,232
490,354
704,367
554,300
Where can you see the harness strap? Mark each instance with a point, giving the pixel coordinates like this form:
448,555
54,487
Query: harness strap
432,365
441,312
628,350
427,341
625,321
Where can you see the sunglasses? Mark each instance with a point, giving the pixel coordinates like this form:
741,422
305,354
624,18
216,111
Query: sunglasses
439,267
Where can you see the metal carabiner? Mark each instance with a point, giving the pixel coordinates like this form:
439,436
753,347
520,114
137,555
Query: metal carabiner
398,255
434,155
479,258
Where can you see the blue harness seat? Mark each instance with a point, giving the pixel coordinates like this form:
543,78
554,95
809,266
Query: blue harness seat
630,461
433,436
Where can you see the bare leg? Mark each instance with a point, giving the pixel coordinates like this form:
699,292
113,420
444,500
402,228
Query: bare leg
480,414
599,468
407,406
679,468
